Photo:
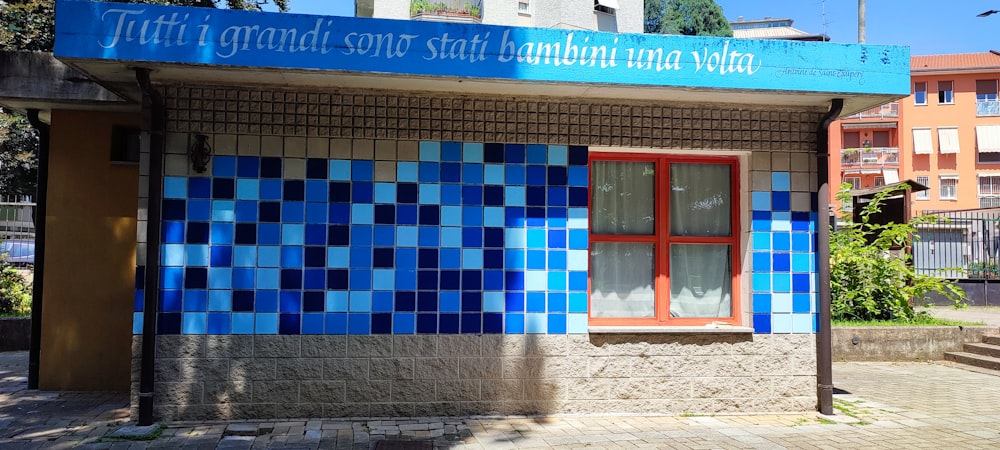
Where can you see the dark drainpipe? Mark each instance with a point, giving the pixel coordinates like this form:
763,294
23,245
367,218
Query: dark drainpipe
152,143
41,202
824,350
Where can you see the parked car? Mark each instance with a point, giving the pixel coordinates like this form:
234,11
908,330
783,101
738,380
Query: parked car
18,251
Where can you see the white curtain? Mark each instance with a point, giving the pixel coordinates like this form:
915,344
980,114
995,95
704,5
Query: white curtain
622,197
700,280
621,277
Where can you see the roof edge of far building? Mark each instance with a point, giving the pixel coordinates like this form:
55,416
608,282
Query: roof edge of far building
989,60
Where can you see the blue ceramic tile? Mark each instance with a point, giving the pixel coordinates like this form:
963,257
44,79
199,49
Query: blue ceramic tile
762,323
558,155
781,282
801,303
780,181
802,262
781,201
801,242
536,154
802,323
224,166
780,262
248,166
761,241
515,174
801,282
781,323
472,174
430,151
200,187
451,151
430,194
536,323
271,167
472,153
270,189
175,187
247,189
362,170
407,172
578,177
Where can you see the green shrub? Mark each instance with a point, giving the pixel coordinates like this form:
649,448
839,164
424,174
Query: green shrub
869,280
15,292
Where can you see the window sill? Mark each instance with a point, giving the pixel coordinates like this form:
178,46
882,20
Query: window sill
712,329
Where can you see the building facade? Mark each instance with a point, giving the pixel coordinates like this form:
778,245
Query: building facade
557,221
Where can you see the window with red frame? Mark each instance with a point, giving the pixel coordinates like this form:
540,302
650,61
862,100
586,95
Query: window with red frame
664,239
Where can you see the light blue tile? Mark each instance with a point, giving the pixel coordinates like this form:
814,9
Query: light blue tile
430,194
384,279
472,258
514,259
430,151
360,301
781,302
220,278
175,187
451,237
268,278
535,280
196,255
336,301
385,193
293,234
472,152
362,214
173,255
338,257
802,323
493,301
536,323
577,260
577,223
761,240
269,256
536,238
195,323
557,281
516,238
514,196
266,323
576,323
406,236
450,301
247,189
243,323
760,201
493,174
406,171
802,262
781,282
493,216
220,300
451,215
578,213
762,282
137,323
558,155
781,323
780,181
778,224
340,170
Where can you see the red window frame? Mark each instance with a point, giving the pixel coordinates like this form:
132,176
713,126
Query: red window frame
661,239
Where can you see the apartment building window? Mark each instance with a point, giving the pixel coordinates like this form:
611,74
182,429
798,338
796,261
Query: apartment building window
945,93
855,182
923,144
949,187
948,139
988,143
989,191
920,93
664,233
524,8
606,6
986,90
852,139
924,195
879,181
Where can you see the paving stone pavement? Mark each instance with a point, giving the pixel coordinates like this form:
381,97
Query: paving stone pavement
878,405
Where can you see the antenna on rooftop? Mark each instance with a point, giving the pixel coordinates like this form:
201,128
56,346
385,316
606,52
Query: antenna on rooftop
823,15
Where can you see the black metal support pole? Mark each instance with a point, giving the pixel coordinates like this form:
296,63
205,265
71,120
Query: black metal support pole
41,202
824,349
152,143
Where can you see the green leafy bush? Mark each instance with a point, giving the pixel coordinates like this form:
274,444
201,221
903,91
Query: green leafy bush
15,292
871,281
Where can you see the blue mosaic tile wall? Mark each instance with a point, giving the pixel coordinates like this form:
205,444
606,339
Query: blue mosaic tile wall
784,275
472,238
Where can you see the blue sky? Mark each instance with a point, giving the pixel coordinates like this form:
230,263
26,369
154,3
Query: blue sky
928,27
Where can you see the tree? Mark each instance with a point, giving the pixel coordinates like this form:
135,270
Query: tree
686,17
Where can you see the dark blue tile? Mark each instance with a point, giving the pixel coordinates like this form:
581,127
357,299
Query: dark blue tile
447,324
200,187
472,323
429,172
174,210
578,281
451,173
406,214
514,301
781,201
266,301
243,278
171,300
270,189
269,233
315,257
317,168
140,277
472,237
761,215
361,257
270,167
536,175
312,323
337,279
362,192
472,301
293,212
493,237
762,323
248,167
406,301
221,233
514,216
199,210
781,262
514,174
361,235
221,256
556,196
362,170
246,211
385,214
535,196
451,280
557,323
493,280
340,191
218,323
577,155
315,234
269,211
535,216
557,239
578,196
314,279
407,193
340,213
291,278
536,302
427,258
294,190
382,323
430,215
383,257
384,235
196,278
427,280
451,151
173,232
451,194
472,280
406,258
800,282
514,280
338,235
223,188
195,300
514,153
557,176
168,323
493,259
493,196
427,301
197,233
336,323
317,191
427,323
472,173
359,323
493,153
382,301
289,323
472,195
289,301
537,154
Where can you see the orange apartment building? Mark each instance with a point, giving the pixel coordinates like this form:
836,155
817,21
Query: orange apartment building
945,135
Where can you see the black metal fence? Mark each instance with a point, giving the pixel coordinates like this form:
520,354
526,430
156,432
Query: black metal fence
960,245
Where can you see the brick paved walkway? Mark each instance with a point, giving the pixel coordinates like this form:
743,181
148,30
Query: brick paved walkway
883,405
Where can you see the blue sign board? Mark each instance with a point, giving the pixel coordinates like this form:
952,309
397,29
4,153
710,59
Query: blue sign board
204,36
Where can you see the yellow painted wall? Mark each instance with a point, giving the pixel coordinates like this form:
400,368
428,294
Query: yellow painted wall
89,256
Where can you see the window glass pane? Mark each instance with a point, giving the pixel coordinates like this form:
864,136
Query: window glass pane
920,93
700,280
622,197
700,203
621,280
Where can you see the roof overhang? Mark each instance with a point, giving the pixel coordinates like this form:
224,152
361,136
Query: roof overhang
225,47
36,80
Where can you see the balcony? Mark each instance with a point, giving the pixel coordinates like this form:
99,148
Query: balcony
856,159
987,108
463,11
881,112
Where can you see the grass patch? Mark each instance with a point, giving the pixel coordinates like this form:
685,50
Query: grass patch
920,320
149,437
826,421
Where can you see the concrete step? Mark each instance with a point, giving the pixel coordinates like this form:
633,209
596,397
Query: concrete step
983,349
992,339
972,359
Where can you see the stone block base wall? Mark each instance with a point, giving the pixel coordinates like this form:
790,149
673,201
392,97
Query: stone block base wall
260,377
